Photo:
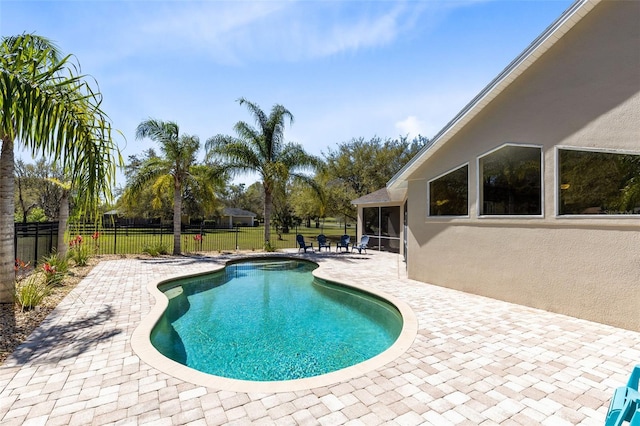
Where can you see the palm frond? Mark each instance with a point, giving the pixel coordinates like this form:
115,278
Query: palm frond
233,151
150,171
50,108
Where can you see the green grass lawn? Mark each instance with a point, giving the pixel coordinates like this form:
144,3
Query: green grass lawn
32,247
134,240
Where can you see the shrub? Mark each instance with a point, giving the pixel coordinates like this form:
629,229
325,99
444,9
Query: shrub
55,268
79,252
31,291
155,249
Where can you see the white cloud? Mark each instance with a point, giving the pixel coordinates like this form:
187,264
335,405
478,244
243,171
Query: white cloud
355,33
241,32
411,127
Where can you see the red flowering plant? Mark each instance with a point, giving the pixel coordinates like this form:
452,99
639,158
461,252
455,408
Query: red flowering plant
198,239
78,252
21,268
54,268
77,241
95,237
51,274
48,269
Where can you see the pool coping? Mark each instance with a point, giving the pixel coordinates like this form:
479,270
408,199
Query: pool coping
141,342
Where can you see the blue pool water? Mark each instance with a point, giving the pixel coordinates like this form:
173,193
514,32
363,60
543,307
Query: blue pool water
269,320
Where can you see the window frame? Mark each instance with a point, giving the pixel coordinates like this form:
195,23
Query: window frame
556,182
479,186
440,217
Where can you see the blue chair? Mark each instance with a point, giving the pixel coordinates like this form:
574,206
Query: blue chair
635,419
625,403
344,242
322,242
630,411
302,245
362,246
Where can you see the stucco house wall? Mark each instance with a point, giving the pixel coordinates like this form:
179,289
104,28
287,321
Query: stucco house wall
582,92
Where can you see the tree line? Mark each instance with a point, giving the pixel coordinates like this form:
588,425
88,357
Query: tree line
348,171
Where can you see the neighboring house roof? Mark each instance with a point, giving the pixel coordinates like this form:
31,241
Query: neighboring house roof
397,185
230,211
377,197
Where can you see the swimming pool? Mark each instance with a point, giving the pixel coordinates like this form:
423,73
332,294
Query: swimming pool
271,320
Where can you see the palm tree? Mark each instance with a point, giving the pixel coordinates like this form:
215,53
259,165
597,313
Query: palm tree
176,169
51,109
263,151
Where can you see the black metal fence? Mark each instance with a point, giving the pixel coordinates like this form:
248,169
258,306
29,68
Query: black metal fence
32,241
194,238
35,240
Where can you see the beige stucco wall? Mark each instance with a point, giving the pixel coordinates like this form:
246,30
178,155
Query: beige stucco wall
583,92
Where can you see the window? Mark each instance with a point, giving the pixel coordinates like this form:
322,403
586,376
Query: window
449,194
371,216
511,181
591,182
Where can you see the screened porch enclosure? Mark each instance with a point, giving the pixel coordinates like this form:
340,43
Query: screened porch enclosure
382,225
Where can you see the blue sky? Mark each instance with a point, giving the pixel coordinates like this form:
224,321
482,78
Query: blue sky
345,69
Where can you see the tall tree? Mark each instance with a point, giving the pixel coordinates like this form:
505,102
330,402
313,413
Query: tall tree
174,170
39,186
309,203
362,166
25,189
51,109
239,196
262,150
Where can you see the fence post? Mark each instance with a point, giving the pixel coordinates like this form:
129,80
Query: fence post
237,230
51,237
35,254
115,237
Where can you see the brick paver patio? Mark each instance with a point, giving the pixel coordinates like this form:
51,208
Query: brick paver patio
474,361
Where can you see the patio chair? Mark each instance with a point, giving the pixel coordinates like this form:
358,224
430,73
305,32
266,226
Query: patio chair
635,418
302,245
322,242
362,246
343,243
630,412
625,402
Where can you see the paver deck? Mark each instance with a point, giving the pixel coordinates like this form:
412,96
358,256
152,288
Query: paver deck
474,361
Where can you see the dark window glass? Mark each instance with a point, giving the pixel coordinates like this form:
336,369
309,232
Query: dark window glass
449,194
512,181
371,220
390,223
382,224
598,183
